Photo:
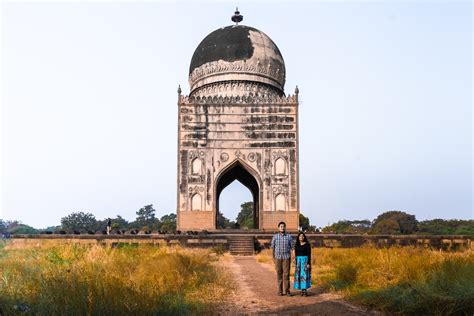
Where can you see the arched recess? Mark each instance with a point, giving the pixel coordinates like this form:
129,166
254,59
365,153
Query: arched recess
280,202
196,166
280,167
196,202
239,171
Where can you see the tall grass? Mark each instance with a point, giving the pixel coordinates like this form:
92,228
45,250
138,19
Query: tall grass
400,280
96,280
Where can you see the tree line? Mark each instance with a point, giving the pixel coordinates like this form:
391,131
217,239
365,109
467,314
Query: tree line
390,223
84,222
402,223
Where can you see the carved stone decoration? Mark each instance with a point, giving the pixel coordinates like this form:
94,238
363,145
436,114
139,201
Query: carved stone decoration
252,157
246,99
279,153
196,179
239,154
279,189
224,157
235,91
196,189
236,67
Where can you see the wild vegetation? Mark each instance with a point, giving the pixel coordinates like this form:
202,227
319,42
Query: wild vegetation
83,222
65,279
390,222
408,281
401,223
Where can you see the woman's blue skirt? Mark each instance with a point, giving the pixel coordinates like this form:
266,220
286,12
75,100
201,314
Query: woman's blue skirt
302,278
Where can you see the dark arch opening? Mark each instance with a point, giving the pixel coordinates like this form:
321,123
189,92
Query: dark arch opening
239,173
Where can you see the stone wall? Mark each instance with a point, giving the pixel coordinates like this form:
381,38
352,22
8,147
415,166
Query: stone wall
263,240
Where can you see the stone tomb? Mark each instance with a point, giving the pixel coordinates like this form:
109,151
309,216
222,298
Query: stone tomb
237,124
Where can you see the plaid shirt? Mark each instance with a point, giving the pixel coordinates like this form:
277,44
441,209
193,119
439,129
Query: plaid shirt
282,245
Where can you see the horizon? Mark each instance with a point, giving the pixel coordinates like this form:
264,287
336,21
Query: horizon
385,111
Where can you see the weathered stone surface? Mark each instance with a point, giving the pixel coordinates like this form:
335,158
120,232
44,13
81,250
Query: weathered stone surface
239,125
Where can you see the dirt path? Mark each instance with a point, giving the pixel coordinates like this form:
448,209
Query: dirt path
257,294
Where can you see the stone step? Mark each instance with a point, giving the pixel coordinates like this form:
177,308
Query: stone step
242,245
241,239
244,248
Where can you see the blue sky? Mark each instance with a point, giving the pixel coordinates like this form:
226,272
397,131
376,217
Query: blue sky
89,108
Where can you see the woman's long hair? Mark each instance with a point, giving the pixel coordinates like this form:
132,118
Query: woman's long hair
298,239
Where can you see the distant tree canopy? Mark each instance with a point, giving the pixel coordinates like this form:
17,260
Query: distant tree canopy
446,227
398,223
119,223
391,222
15,227
145,221
146,217
3,226
349,227
223,222
395,222
79,221
305,224
168,222
245,216
245,219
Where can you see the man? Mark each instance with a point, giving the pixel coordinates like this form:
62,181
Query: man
109,226
282,244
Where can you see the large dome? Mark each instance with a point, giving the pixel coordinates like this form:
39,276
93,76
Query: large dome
236,54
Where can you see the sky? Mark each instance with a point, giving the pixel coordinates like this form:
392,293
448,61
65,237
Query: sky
89,105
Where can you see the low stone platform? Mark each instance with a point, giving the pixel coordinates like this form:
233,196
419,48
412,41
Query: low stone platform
262,240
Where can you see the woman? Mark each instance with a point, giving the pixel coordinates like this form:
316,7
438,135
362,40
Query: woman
302,280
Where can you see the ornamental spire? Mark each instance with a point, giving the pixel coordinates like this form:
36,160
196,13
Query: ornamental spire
237,17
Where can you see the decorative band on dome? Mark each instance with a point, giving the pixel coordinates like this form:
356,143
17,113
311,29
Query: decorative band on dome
237,70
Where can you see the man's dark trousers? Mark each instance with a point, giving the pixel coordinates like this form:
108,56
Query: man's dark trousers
282,267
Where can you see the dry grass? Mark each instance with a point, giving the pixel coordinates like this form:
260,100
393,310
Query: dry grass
265,256
401,280
58,279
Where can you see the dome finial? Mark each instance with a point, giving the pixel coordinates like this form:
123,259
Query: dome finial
237,17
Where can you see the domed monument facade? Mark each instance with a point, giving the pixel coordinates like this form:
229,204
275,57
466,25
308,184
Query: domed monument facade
237,123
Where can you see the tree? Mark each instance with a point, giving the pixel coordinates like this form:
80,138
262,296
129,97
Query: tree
23,229
222,221
304,222
146,217
119,223
386,227
245,216
79,221
446,227
395,222
168,222
3,227
348,227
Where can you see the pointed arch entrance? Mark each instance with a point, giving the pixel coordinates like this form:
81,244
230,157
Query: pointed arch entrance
239,171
